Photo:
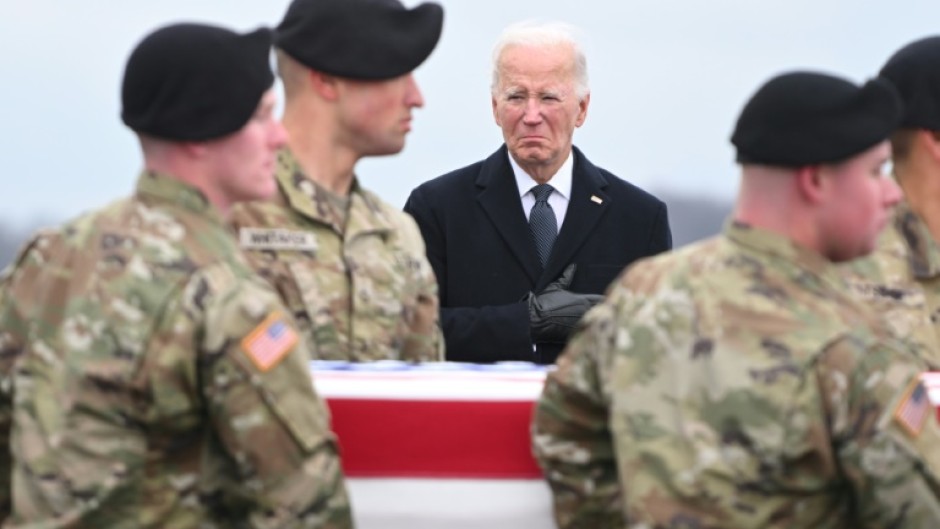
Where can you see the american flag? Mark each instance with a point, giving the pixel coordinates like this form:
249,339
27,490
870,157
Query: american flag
914,409
269,342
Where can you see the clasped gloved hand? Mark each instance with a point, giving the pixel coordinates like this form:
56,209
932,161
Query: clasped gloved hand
554,311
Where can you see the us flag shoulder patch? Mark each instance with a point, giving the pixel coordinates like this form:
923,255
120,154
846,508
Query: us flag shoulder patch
270,341
914,408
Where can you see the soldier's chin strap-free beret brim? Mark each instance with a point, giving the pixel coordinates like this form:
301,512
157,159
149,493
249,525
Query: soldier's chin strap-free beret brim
914,71
360,39
194,82
808,118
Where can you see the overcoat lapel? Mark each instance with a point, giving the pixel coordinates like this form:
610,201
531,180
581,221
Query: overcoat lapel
498,195
587,204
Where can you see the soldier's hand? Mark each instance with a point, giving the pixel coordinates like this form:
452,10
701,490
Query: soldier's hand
555,311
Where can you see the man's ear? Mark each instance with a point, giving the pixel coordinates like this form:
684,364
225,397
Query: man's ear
495,113
326,85
195,149
811,183
582,110
930,141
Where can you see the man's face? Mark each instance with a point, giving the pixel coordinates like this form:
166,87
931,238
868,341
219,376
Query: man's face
244,162
859,203
536,105
375,116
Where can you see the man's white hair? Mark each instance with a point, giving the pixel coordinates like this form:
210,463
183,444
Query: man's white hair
543,35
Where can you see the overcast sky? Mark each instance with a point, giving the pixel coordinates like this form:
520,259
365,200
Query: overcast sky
667,80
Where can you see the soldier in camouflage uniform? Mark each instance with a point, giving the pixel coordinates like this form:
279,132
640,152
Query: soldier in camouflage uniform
736,383
151,377
901,278
351,268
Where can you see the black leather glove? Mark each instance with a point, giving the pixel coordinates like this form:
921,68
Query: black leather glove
554,311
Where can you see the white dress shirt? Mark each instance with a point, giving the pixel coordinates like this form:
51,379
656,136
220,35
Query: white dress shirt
560,181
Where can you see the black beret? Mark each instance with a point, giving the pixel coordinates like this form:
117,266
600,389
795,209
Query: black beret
808,118
915,72
360,39
194,82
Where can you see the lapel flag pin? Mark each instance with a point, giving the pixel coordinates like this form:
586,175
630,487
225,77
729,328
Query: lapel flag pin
597,199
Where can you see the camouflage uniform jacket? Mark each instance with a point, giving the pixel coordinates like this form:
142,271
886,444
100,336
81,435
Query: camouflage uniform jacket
736,384
364,291
154,380
901,279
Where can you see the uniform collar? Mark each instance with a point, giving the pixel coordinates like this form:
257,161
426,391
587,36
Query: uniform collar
924,254
305,196
785,252
163,188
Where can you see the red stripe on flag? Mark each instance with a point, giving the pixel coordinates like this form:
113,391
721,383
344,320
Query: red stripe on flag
434,439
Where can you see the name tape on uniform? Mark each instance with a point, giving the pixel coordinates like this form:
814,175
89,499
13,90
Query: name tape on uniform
276,239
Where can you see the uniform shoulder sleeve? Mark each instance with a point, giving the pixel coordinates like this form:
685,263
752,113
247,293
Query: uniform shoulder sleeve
580,418
409,233
884,430
18,276
571,436
255,379
424,339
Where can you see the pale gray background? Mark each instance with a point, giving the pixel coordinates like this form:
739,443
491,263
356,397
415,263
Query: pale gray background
667,76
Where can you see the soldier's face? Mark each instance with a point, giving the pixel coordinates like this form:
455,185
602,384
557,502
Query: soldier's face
245,161
536,104
375,116
860,199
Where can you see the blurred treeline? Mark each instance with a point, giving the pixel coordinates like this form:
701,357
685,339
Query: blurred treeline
691,219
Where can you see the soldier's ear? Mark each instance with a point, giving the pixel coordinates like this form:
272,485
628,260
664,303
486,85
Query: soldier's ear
811,183
195,149
325,85
930,141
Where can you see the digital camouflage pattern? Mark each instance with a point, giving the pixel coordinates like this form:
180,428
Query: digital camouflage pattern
737,384
134,402
901,279
363,290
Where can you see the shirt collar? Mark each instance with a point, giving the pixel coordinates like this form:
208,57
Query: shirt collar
560,181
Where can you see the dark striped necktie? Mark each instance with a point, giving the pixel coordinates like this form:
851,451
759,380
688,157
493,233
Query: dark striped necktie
542,222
